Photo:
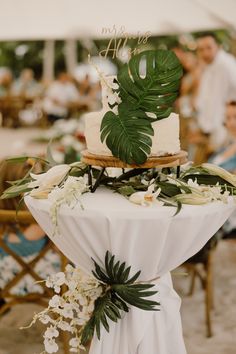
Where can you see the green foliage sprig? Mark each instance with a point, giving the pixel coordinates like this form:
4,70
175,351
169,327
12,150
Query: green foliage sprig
120,291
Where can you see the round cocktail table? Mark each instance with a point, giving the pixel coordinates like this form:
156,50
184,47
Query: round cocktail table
149,239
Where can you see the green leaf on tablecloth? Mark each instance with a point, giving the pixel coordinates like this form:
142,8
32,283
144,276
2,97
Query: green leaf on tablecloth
206,179
126,191
168,189
120,292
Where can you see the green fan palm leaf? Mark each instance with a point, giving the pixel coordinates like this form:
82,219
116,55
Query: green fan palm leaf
120,291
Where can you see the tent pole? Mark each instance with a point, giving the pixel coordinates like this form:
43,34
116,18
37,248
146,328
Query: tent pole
48,61
71,55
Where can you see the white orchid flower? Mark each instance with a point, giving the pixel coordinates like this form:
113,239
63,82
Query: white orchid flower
65,326
146,198
45,182
67,311
45,319
51,332
113,98
74,342
50,345
193,184
56,301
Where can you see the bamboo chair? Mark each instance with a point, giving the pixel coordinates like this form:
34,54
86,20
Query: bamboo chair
8,300
204,257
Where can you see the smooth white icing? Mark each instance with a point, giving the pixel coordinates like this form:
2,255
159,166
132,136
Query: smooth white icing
164,142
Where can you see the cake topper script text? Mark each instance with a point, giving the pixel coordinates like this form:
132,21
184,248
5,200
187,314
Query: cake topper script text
118,43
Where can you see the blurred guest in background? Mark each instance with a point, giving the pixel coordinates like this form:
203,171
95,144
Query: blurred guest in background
188,91
26,85
190,83
226,156
90,93
59,97
217,87
5,82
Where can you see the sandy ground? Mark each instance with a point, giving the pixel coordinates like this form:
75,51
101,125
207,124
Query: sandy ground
14,341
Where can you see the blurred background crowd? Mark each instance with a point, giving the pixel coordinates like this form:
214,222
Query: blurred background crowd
31,96
46,87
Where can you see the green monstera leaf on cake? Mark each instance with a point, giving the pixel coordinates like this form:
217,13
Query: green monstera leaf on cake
127,136
148,87
150,82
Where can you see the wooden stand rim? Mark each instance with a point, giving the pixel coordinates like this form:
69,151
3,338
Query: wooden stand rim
153,161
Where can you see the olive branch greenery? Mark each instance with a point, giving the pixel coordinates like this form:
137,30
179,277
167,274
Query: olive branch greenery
120,292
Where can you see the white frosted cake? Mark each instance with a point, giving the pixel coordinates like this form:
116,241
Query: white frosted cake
164,142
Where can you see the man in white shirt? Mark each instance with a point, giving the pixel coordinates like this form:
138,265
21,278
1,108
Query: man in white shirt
60,95
217,87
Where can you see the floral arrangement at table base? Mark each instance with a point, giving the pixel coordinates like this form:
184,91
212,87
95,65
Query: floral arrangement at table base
90,301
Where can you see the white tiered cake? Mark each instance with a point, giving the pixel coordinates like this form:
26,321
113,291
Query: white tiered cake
166,131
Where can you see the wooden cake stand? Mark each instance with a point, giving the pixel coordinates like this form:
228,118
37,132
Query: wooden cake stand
153,161
110,161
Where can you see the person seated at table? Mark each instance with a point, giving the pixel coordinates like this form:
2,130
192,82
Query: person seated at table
226,156
59,97
22,241
26,85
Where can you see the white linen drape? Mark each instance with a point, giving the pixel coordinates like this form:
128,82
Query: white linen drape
150,239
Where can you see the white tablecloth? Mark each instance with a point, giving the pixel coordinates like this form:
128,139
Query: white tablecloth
150,239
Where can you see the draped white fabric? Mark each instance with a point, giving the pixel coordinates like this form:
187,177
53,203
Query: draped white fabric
60,19
150,239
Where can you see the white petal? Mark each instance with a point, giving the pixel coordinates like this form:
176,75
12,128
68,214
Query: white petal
137,197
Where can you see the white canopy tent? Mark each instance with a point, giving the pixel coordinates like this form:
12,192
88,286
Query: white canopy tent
69,20
62,19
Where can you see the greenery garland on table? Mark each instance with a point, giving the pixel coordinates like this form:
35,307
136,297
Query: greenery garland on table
194,185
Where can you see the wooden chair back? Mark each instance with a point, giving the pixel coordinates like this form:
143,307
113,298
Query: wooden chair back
8,217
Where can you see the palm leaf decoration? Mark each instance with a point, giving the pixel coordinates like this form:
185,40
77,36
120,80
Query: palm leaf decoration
145,98
120,291
154,90
127,136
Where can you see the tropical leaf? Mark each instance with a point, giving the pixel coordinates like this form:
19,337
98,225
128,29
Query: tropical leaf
156,88
127,136
126,190
21,159
120,291
168,189
15,191
117,276
145,97
206,179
